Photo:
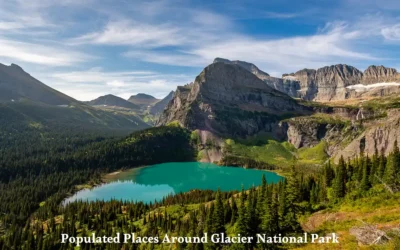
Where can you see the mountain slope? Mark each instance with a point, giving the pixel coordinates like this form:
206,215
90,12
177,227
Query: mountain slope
143,100
226,99
112,100
26,115
159,107
33,102
16,84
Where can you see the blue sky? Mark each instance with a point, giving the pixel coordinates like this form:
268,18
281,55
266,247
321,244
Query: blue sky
88,48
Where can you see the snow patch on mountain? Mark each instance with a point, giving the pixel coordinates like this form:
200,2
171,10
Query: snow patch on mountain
362,87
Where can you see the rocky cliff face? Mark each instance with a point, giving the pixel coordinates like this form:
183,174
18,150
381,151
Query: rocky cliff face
332,81
226,99
378,136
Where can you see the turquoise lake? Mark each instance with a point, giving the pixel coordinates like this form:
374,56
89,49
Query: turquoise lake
157,181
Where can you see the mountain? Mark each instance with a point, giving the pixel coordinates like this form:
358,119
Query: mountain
16,84
341,82
28,115
27,103
226,99
113,101
284,85
374,74
247,66
143,100
330,83
159,107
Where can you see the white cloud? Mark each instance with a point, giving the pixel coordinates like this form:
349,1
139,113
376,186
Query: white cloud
280,15
174,58
286,54
116,84
133,33
392,33
89,84
10,25
172,33
39,54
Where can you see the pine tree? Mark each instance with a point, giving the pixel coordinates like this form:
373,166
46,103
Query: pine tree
392,175
396,159
329,174
241,223
374,168
292,197
382,165
270,219
234,212
339,183
218,223
252,218
365,181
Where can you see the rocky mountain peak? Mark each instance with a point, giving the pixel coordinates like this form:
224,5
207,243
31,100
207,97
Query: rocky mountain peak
380,71
143,95
16,69
112,100
143,100
15,66
307,72
226,98
377,74
247,66
341,70
16,84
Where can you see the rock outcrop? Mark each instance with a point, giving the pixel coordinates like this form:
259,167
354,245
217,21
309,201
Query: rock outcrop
379,136
226,99
304,132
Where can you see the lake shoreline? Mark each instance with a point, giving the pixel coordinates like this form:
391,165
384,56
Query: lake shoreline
105,178
130,174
